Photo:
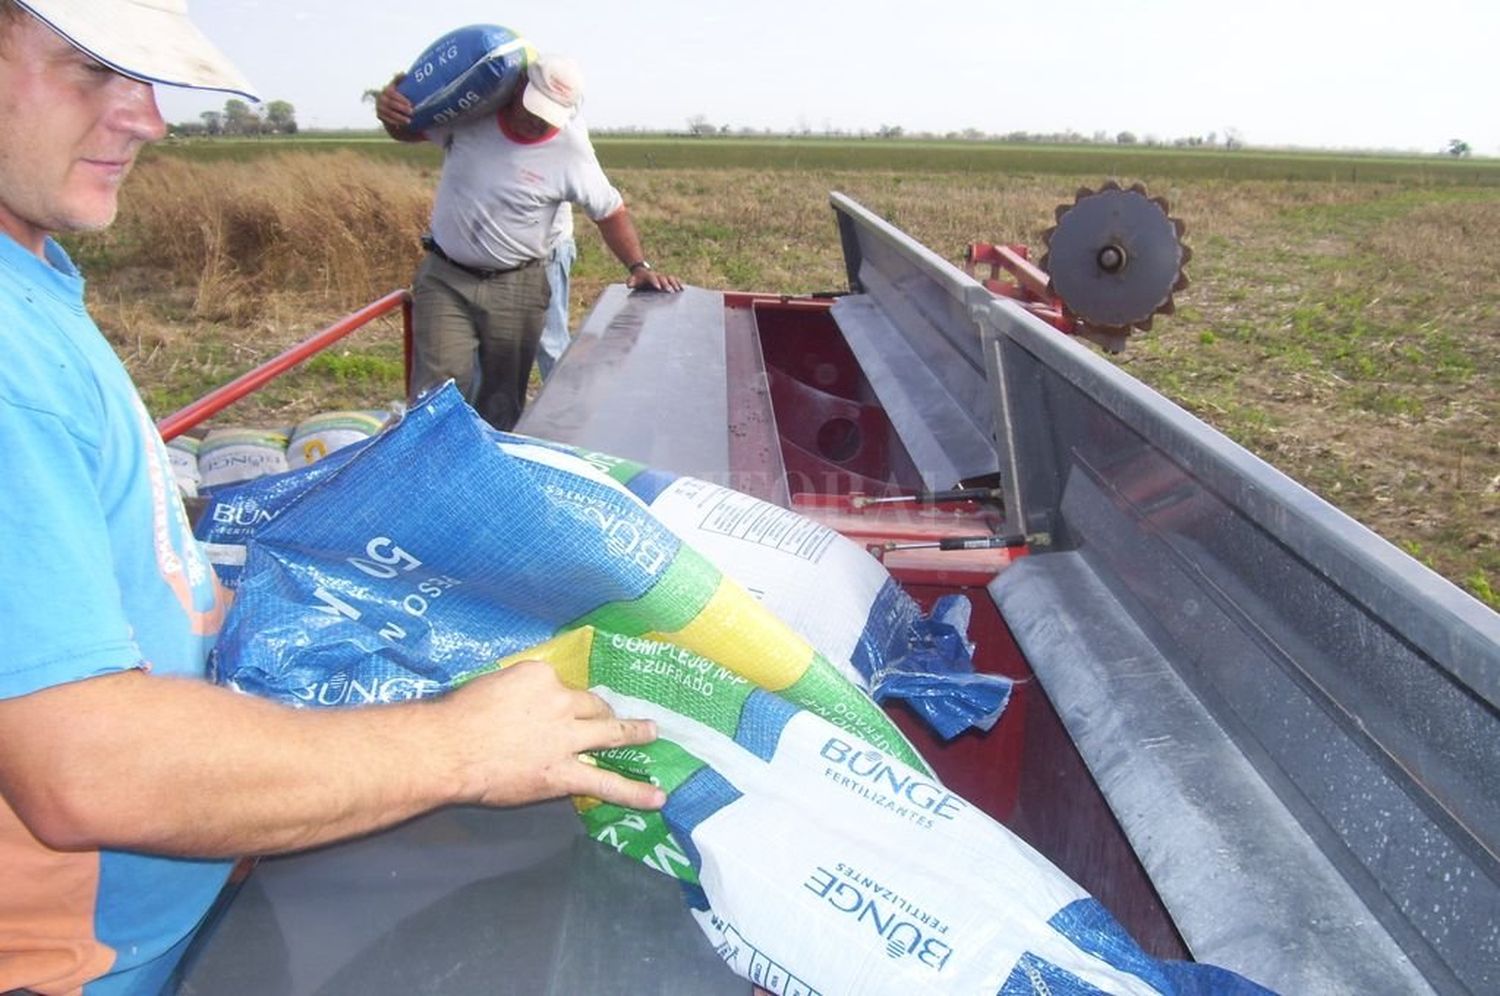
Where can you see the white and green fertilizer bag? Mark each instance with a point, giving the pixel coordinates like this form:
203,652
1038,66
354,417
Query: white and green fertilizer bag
315,438
817,851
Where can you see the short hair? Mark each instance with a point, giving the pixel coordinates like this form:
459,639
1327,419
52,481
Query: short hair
9,14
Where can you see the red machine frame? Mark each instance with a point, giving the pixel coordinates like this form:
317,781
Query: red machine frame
221,398
1029,283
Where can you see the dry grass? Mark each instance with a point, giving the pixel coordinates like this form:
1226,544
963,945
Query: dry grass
212,269
1345,332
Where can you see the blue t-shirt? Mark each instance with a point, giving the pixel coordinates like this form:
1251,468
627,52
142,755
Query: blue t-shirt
99,573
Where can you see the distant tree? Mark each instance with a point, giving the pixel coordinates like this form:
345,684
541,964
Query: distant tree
1233,139
281,117
890,131
1458,147
213,122
239,119
698,125
1126,138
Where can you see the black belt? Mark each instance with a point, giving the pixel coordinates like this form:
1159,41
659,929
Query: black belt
478,272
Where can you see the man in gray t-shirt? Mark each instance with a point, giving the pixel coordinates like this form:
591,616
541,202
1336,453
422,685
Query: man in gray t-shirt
480,295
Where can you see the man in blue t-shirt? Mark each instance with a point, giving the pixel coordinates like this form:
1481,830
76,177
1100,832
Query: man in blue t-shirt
124,787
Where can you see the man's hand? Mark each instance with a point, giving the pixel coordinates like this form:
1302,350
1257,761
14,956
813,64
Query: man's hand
644,276
394,110
520,735
618,232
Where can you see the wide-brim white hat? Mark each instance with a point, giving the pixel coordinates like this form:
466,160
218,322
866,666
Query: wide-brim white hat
148,40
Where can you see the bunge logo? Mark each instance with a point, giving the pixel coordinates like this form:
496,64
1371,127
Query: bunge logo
912,935
874,771
342,689
246,513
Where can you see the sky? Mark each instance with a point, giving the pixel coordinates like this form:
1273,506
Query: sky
1317,73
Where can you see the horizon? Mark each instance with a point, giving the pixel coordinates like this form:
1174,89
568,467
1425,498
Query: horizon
1146,143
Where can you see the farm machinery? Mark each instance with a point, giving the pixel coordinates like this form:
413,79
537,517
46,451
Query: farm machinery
1114,260
1262,736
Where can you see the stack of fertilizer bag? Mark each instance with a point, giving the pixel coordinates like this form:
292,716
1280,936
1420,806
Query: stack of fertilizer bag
231,455
817,851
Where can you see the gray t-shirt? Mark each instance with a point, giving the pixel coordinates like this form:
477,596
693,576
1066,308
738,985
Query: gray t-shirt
499,199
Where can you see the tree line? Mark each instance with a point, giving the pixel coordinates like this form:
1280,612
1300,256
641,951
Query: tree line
279,117
699,126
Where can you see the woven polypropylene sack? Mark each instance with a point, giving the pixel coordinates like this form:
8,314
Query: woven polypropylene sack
816,849
468,71
826,587
316,437
354,593
816,862
231,455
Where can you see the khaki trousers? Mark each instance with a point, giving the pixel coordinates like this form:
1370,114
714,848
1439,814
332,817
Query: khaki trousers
480,332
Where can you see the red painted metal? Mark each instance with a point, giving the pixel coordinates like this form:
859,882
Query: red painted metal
874,525
1027,282
217,400
783,303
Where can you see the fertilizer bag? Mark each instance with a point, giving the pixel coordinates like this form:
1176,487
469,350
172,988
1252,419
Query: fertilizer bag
465,73
227,456
316,437
830,592
234,513
825,586
815,862
354,593
182,452
818,852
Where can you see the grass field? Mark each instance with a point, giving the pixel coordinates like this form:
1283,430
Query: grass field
1342,321
914,156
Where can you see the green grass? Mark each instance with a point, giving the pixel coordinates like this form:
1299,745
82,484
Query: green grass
358,370
919,156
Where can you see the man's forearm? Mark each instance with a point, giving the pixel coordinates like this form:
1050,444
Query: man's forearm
619,234
176,766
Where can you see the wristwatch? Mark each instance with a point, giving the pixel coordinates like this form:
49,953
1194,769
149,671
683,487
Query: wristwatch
639,264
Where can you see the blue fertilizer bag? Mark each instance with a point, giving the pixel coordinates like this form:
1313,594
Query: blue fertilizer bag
467,72
234,513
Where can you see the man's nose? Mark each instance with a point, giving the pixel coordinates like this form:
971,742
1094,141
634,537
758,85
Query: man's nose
136,110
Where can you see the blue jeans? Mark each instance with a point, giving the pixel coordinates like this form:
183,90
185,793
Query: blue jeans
555,336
